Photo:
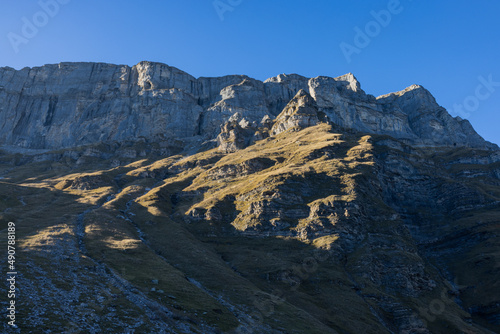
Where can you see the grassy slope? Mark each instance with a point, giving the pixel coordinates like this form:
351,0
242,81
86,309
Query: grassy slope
140,226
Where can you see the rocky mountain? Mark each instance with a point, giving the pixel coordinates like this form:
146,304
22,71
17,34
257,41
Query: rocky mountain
149,201
74,104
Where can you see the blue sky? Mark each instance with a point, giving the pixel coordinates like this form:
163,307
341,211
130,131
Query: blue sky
450,47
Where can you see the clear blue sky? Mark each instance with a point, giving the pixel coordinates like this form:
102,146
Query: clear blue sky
443,45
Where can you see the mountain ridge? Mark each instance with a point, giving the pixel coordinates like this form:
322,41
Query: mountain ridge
72,104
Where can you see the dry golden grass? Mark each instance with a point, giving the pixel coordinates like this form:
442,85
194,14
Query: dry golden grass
157,195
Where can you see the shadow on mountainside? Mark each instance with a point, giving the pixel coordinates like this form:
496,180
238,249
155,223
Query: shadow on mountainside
306,244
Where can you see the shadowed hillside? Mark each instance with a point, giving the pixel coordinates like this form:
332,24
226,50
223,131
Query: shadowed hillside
302,222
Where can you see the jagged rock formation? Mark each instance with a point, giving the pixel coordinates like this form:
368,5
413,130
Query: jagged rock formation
228,205
74,104
301,112
232,137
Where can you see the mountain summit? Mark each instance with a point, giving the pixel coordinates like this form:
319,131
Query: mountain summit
74,104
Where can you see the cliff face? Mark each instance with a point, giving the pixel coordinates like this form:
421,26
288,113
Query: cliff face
74,104
162,203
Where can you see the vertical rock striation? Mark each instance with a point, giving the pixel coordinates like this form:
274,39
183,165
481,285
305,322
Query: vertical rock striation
73,104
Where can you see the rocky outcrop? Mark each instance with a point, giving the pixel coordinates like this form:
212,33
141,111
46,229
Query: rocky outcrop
232,137
430,123
235,134
74,104
246,98
281,89
301,112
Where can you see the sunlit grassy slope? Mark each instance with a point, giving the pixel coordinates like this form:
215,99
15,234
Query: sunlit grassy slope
294,234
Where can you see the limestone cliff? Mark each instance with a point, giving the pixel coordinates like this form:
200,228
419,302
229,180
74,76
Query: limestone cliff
74,104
